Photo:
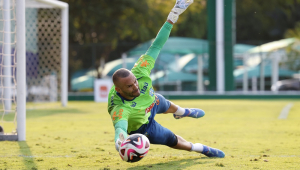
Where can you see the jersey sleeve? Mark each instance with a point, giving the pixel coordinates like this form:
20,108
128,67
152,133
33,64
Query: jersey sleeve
143,66
119,113
160,40
146,62
121,127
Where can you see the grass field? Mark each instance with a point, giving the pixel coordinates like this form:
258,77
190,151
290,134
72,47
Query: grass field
81,137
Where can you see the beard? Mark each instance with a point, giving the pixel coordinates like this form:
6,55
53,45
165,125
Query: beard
134,93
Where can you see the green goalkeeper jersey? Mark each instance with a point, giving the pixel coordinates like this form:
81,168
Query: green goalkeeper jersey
137,110
129,115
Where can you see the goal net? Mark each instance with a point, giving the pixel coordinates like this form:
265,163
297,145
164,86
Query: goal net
46,60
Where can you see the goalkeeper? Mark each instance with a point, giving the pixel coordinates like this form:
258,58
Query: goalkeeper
133,104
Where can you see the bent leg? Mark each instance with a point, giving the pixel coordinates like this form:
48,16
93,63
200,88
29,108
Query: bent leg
158,134
166,106
172,109
182,144
179,112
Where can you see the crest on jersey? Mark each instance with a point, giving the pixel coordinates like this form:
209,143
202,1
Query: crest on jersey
133,104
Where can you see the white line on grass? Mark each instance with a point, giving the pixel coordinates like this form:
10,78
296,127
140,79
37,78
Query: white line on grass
285,111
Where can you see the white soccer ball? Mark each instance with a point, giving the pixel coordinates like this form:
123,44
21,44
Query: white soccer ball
134,147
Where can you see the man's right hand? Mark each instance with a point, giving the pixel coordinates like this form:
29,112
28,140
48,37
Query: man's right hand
119,141
179,8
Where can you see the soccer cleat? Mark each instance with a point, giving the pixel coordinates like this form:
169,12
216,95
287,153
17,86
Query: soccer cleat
212,152
194,113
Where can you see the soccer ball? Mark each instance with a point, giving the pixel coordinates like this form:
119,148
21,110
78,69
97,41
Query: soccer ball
134,148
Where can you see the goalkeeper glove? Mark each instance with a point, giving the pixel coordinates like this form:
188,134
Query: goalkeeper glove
119,141
179,8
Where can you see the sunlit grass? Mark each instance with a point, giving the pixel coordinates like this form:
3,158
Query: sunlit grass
81,137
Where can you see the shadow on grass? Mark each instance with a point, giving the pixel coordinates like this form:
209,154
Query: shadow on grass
43,112
176,164
28,159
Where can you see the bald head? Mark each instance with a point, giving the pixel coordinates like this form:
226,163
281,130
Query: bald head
126,83
120,73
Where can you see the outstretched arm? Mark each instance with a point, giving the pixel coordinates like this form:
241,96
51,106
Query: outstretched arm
146,62
160,40
120,133
164,33
119,115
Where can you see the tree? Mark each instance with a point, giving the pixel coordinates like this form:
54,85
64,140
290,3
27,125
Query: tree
259,21
115,26
108,23
293,51
111,24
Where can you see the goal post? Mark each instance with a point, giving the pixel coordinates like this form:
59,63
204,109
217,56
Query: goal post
21,70
33,59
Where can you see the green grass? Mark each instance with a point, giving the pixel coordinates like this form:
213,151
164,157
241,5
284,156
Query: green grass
81,137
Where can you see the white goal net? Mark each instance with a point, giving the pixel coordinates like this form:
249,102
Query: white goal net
46,60
43,54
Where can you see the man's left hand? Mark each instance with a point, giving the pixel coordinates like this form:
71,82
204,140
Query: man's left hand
119,141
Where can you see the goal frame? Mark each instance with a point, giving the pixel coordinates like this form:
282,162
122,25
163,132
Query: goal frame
21,6
64,39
